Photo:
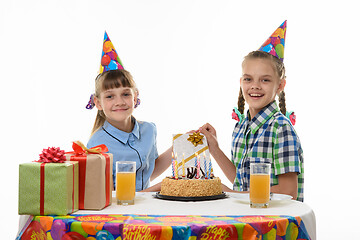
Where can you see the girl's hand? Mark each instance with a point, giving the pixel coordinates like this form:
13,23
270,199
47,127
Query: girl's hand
208,128
210,134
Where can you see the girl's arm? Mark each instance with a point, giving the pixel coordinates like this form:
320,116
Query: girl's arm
287,153
155,188
161,163
224,162
288,184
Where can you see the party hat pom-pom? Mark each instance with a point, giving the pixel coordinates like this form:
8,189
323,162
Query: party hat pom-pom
52,155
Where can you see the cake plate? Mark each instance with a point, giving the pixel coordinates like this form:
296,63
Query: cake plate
190,199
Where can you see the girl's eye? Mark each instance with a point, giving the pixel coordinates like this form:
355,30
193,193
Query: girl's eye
127,94
265,79
247,79
109,96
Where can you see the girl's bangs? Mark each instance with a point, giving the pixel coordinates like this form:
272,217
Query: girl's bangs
115,79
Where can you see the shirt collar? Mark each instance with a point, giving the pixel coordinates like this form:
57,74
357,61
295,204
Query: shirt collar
136,130
263,116
121,135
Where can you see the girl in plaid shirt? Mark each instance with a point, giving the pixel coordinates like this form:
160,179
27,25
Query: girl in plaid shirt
265,134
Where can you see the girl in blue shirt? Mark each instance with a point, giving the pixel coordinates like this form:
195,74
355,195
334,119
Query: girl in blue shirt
116,97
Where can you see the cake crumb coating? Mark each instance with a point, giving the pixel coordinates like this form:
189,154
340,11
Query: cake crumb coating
191,187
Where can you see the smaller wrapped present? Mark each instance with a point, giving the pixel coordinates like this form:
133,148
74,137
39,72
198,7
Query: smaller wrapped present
95,175
49,186
191,155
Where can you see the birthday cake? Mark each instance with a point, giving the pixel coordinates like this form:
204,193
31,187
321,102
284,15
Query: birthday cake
192,174
191,187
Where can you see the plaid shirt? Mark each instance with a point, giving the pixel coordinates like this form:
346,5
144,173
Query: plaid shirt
268,137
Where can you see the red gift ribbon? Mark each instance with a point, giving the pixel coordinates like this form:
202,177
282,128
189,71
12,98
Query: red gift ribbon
107,178
73,195
42,187
80,152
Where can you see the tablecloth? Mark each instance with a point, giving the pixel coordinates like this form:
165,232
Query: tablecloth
152,218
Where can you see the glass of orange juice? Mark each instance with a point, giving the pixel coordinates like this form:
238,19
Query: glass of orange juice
125,182
260,185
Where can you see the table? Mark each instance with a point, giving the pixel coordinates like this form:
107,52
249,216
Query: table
151,218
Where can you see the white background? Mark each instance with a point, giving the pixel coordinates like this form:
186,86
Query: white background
186,58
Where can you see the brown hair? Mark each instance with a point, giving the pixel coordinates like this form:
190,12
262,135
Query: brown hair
279,69
109,80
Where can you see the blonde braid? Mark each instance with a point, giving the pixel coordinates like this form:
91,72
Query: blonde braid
282,104
241,102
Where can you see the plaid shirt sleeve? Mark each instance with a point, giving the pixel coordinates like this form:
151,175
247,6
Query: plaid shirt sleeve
287,151
236,153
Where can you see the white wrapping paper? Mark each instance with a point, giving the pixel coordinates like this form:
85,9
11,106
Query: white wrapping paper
185,149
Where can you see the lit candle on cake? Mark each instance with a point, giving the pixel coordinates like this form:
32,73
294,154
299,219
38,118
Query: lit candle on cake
210,167
183,166
172,164
176,167
195,165
197,161
205,168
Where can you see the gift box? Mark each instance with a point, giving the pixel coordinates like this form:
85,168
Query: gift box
191,152
48,188
95,175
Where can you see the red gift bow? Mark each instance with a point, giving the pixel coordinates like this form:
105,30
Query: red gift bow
80,150
52,155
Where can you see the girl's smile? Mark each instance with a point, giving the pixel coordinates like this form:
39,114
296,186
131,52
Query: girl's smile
256,95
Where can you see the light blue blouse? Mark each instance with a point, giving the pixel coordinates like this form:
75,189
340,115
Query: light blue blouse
138,145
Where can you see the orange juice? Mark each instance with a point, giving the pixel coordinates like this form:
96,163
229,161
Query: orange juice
259,188
125,185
